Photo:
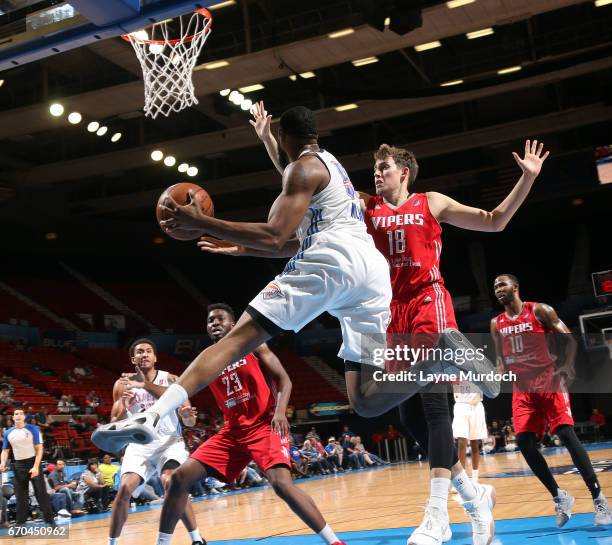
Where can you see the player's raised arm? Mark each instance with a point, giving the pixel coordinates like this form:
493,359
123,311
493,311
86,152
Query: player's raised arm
548,316
272,366
301,180
261,123
450,211
121,400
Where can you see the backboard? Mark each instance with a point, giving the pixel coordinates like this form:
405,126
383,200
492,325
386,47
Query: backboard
35,29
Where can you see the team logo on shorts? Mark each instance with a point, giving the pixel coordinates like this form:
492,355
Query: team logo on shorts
271,291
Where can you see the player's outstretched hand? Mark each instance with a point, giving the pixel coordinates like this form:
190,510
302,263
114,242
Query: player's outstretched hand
187,217
261,121
280,425
217,246
531,164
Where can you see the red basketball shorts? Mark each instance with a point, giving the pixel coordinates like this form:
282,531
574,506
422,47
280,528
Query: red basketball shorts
231,450
533,411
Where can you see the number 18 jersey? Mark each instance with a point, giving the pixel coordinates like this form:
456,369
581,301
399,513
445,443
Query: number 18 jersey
244,394
410,237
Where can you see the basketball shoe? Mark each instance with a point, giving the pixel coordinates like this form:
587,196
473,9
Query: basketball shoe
480,511
138,428
563,506
434,529
603,515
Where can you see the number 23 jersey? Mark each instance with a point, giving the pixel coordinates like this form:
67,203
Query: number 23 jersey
244,394
410,237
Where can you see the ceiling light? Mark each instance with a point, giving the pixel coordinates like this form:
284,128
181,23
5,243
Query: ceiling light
192,171
307,75
238,99
387,22
102,131
246,104
451,83
157,155
363,62
159,240
225,92
225,4
346,107
600,3
116,137
1,82
341,33
170,161
183,167
251,88
212,65
480,33
428,45
458,3
511,69
93,126
56,109
75,118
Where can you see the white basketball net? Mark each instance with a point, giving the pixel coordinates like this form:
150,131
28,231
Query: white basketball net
167,63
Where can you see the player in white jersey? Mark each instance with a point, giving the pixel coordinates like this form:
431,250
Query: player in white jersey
135,393
336,269
469,423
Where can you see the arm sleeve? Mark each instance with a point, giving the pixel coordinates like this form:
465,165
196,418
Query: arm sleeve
35,433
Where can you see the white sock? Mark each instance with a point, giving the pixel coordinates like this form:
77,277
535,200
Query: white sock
113,540
327,535
439,493
465,487
475,475
195,535
171,400
164,539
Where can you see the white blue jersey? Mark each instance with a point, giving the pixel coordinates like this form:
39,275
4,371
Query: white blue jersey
334,213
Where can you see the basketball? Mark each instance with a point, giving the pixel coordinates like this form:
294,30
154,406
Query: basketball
180,193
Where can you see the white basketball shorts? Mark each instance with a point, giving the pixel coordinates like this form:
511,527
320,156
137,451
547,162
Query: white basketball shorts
347,278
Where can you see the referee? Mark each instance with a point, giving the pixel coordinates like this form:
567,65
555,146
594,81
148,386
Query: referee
24,440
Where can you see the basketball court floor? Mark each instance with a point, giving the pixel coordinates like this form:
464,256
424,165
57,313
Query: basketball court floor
381,507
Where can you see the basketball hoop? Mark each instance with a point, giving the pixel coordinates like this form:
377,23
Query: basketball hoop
167,63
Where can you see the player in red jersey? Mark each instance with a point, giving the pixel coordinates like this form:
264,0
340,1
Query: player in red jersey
406,228
256,428
540,398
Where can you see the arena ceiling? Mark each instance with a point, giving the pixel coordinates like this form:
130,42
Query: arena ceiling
54,173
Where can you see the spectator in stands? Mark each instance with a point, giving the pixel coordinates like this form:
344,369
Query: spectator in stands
93,486
63,407
352,457
312,434
72,406
346,431
62,485
69,377
497,433
599,420
92,402
369,458
108,470
42,415
29,414
315,461
6,399
334,453
299,463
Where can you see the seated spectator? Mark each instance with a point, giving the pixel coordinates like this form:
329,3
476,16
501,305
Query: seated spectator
315,461
510,438
42,415
108,471
346,431
69,377
353,461
312,434
80,371
500,439
335,454
369,458
63,486
92,402
93,486
63,406
299,463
